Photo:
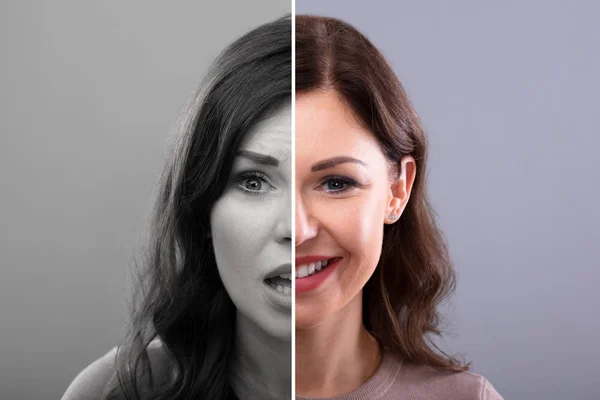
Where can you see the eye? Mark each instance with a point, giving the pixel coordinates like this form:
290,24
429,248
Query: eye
254,183
337,184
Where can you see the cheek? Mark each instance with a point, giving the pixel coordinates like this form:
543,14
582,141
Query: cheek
238,230
356,224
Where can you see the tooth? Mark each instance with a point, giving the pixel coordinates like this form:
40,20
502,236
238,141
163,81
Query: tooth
280,288
284,276
302,272
311,268
325,263
287,290
318,266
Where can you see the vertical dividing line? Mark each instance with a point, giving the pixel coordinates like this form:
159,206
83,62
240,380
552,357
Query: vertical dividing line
293,191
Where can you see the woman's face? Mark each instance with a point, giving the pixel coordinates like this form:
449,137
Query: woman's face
251,227
344,194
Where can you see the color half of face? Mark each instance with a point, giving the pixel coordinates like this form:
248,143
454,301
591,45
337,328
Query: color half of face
251,227
343,196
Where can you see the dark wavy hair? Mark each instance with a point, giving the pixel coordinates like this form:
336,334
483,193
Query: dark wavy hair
414,274
180,298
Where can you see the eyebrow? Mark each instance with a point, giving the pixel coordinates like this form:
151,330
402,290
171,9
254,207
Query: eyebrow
257,157
332,162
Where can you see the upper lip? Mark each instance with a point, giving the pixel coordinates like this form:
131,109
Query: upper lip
311,259
281,270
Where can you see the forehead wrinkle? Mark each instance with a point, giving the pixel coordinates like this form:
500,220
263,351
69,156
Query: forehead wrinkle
270,145
272,137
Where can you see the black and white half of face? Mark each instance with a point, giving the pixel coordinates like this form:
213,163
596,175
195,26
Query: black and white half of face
251,227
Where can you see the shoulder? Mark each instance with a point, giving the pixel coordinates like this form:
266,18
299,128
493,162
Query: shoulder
441,384
93,381
90,383
468,386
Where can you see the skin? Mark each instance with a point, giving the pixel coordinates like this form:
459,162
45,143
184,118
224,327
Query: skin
338,218
251,232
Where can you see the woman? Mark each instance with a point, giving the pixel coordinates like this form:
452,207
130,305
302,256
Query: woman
214,316
371,265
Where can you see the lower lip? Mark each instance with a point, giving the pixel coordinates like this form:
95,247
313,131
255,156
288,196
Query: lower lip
277,299
314,281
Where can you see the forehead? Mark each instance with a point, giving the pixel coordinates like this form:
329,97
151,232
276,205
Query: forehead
326,127
273,135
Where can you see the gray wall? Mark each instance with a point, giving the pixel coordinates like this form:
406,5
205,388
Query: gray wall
508,92
89,91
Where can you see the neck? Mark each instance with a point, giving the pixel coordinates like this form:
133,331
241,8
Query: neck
331,361
262,363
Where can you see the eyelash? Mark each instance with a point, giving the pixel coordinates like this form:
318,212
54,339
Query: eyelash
348,183
253,175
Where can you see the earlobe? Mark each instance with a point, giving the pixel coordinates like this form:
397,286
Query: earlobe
394,208
393,217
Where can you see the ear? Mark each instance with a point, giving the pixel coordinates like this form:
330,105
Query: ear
400,189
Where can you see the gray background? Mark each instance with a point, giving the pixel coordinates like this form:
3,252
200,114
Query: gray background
89,91
508,92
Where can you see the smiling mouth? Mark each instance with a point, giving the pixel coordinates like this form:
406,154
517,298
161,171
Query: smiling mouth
309,269
282,283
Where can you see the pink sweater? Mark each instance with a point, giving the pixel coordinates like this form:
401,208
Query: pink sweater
395,380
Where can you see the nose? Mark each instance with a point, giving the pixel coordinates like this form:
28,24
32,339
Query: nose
283,227
306,224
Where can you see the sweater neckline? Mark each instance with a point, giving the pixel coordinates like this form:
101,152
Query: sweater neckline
375,386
